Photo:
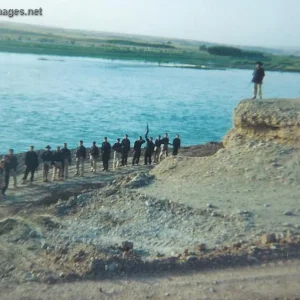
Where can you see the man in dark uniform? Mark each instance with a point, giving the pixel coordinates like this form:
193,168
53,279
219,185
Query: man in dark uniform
13,164
137,150
58,160
258,77
80,158
67,160
105,150
47,158
6,169
165,142
117,148
125,150
157,149
176,145
31,164
94,155
148,149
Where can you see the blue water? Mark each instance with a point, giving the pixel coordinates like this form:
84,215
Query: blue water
52,101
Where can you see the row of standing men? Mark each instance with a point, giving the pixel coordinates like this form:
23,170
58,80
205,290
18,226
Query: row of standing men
61,158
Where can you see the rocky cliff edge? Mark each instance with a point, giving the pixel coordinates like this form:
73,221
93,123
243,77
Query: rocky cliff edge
273,120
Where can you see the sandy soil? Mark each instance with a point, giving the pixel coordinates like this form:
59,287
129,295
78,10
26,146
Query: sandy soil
272,281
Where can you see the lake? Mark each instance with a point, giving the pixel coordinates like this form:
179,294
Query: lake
51,100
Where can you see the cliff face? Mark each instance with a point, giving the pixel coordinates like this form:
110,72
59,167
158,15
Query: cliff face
276,120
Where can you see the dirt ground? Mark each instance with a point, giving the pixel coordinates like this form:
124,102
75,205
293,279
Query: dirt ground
51,232
272,281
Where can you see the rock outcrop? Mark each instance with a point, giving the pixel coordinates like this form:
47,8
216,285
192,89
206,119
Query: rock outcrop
276,120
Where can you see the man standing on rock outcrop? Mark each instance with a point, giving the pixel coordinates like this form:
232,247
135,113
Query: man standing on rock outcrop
94,155
258,77
125,150
67,160
105,150
137,150
47,158
31,164
80,158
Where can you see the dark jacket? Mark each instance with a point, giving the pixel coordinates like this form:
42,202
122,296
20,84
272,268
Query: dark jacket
165,141
117,147
176,143
158,143
58,157
13,162
31,160
138,145
106,148
94,151
258,75
66,154
81,152
149,145
126,145
47,156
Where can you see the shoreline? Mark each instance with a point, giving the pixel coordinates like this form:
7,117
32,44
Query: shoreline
145,59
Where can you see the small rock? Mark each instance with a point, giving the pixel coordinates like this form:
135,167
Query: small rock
192,258
33,234
111,267
167,295
288,213
44,245
62,275
212,290
126,246
268,238
267,205
209,205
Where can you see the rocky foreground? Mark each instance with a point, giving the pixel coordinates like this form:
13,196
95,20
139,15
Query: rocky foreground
210,207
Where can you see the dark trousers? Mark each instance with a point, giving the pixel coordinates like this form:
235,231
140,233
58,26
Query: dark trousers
136,157
30,170
175,151
6,182
124,158
105,159
148,155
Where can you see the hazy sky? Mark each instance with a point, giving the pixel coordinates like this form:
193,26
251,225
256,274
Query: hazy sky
248,22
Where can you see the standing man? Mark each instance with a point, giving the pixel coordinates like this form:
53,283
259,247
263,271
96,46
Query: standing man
67,160
58,160
258,77
117,148
94,155
176,145
80,158
125,150
157,149
47,158
13,164
6,170
105,149
165,142
137,150
148,149
31,164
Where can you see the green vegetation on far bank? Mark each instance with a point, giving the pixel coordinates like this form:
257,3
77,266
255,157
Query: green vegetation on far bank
20,38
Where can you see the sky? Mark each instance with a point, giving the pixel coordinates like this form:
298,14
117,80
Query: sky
267,23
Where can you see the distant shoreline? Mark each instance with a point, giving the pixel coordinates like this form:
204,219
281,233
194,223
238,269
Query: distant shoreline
171,64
